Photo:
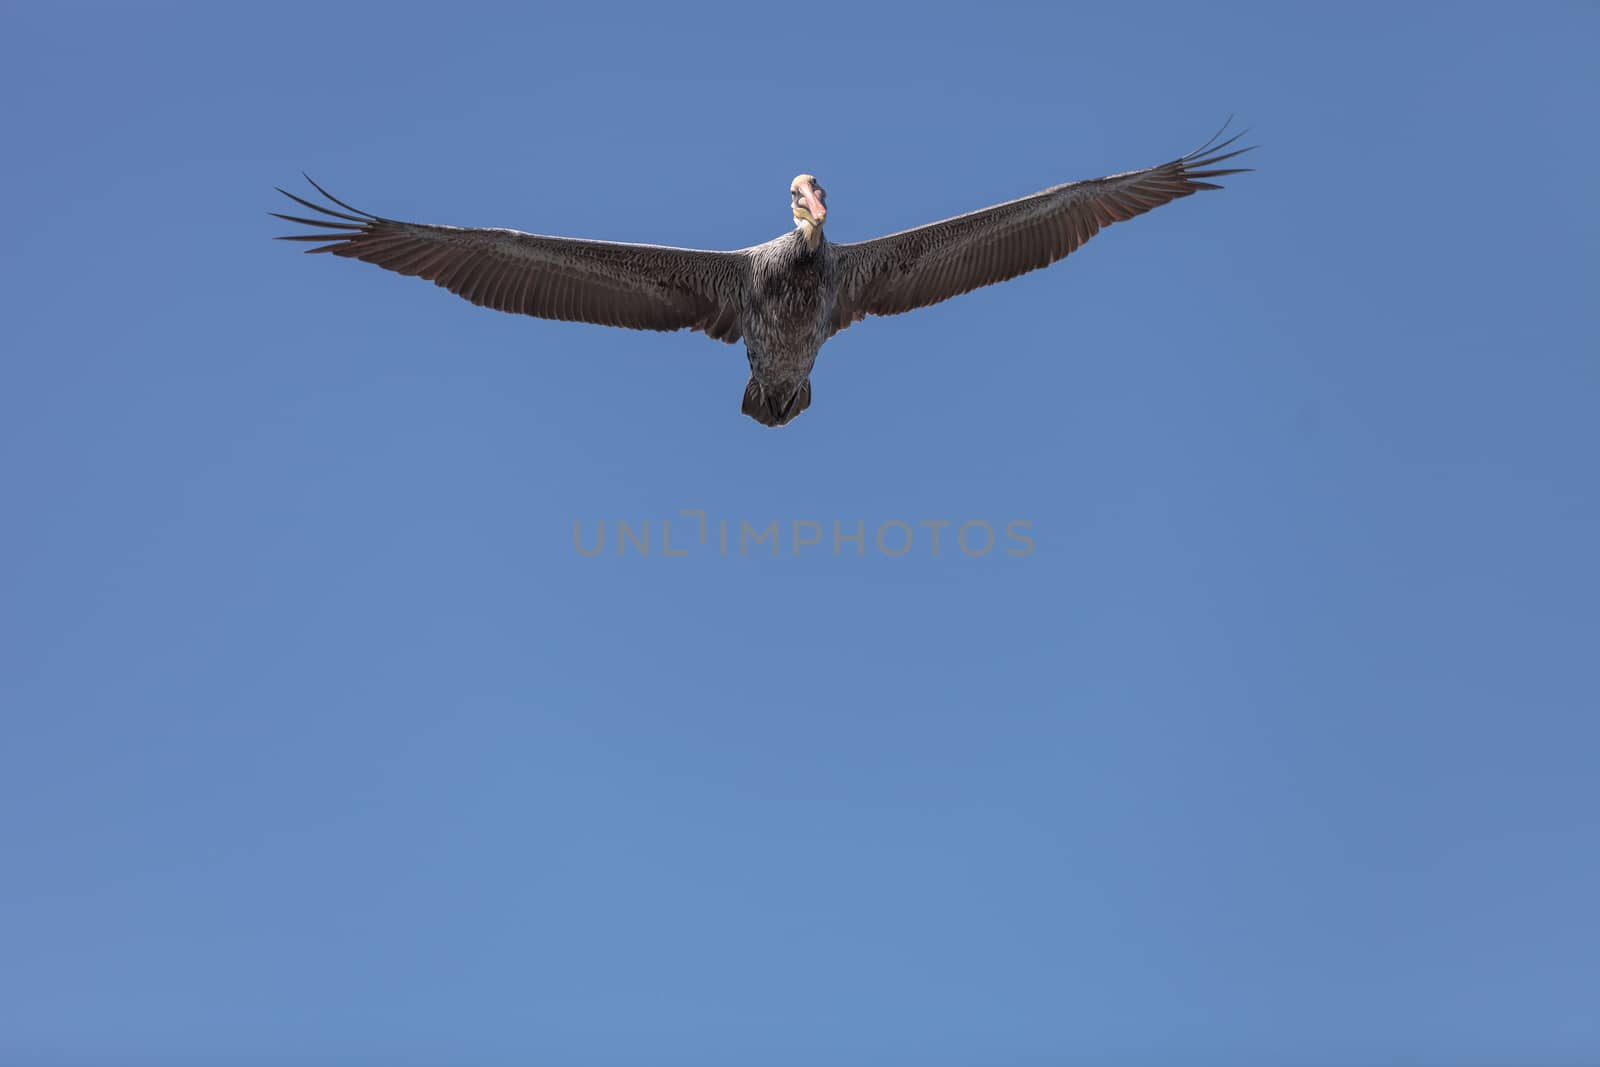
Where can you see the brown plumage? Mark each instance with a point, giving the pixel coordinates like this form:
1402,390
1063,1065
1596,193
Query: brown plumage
784,298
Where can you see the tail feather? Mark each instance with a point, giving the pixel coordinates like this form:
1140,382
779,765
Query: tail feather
775,409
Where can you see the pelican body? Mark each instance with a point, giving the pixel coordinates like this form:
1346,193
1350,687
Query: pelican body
788,309
784,298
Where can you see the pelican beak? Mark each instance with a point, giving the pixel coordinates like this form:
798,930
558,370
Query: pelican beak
808,197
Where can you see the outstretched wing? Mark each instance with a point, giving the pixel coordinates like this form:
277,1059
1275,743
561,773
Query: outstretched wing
642,287
915,268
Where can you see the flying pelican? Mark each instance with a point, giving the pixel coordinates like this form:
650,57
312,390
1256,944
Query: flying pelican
785,297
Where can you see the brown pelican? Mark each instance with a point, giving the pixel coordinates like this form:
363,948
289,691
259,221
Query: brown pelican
785,297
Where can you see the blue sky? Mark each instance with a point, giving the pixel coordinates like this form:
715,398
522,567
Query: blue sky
322,744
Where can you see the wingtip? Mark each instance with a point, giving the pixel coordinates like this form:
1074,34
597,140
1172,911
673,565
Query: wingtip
335,199
1215,144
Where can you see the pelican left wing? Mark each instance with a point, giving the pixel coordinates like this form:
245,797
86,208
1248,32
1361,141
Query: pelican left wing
641,287
923,266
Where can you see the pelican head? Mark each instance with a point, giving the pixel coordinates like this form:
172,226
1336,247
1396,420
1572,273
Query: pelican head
810,204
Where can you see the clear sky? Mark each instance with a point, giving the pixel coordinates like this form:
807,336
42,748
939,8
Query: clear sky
323,745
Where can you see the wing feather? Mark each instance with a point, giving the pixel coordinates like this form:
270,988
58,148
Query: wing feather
641,287
922,266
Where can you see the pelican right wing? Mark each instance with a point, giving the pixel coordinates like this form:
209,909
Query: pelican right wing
641,287
922,266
